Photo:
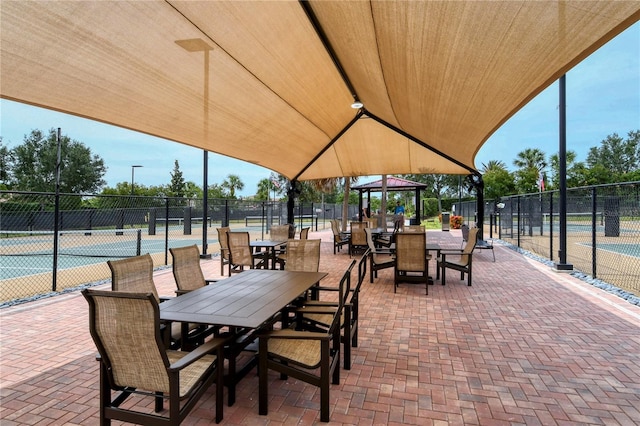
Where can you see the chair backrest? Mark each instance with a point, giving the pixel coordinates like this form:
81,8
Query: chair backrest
370,243
222,240
465,232
467,251
239,248
279,232
186,267
126,330
334,227
303,255
344,288
372,222
358,237
362,271
304,233
133,275
414,228
411,251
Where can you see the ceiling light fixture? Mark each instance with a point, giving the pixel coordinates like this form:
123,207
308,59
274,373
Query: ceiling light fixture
357,105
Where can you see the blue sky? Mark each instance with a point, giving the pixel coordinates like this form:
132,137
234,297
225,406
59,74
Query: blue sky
603,97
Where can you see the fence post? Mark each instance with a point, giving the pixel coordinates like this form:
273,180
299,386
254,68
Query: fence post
520,224
594,219
550,225
166,231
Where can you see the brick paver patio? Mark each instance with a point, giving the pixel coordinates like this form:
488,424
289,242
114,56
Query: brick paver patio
523,345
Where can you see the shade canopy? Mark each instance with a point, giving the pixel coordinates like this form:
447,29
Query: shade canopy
273,82
393,184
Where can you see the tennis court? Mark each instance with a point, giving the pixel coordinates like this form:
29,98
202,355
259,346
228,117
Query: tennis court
632,250
31,253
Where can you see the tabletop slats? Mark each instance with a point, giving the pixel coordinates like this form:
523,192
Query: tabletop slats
247,299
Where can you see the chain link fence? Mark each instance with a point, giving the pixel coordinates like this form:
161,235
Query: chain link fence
602,229
92,229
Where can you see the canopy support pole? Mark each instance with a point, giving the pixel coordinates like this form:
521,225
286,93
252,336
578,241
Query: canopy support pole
291,199
562,265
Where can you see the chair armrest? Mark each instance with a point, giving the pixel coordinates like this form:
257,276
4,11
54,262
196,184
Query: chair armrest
322,288
181,292
316,309
383,251
450,251
216,344
318,303
294,334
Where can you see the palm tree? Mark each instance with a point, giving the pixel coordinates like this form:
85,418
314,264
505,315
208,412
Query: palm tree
493,165
530,158
328,184
233,182
531,164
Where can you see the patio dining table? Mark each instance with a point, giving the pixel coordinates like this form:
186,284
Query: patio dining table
246,301
270,247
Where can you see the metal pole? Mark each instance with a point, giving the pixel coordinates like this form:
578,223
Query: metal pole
205,204
594,220
562,265
56,214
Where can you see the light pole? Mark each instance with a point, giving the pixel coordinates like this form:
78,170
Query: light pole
132,170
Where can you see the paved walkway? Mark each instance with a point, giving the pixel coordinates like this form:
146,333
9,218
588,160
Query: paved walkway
523,345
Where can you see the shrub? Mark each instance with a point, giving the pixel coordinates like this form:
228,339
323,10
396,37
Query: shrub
455,222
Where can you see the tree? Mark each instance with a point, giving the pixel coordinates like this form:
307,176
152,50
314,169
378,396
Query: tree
619,156
6,161
572,168
232,183
34,167
531,163
177,186
265,188
330,184
498,182
215,191
439,185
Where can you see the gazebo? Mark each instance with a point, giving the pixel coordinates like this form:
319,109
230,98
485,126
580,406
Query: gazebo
393,184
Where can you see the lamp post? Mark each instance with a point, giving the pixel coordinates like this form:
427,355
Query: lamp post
132,170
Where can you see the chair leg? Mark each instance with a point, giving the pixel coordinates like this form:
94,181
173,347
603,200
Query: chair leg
219,385
105,395
426,279
263,385
346,338
159,402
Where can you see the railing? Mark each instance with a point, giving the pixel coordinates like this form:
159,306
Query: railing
35,260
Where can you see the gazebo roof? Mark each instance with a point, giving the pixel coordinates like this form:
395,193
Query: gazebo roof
393,184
